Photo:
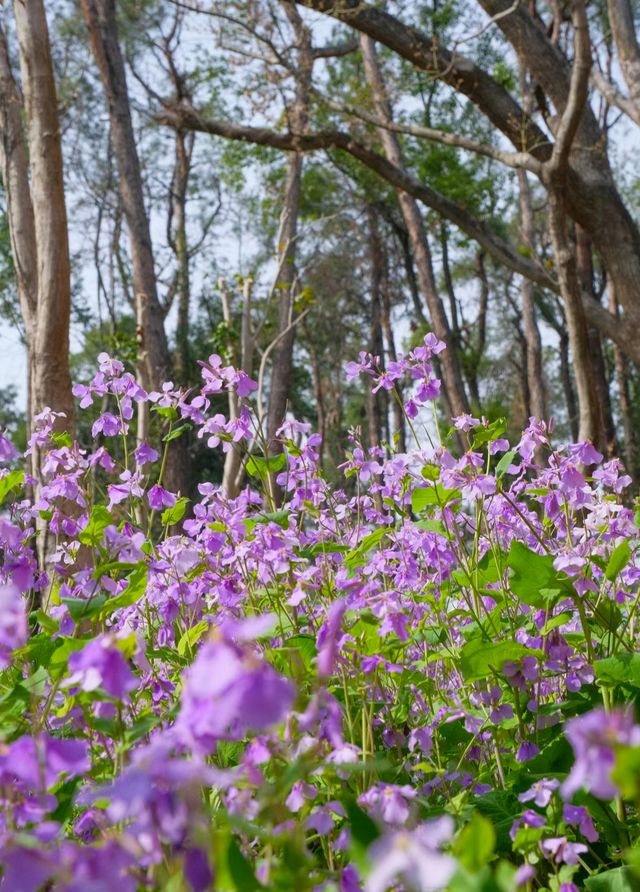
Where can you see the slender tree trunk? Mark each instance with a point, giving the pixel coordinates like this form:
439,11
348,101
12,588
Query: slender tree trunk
375,407
154,360
182,168
41,230
567,383
288,232
417,235
624,396
584,264
387,328
590,424
283,352
318,392
535,376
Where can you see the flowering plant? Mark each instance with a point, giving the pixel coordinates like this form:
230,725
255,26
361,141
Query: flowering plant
425,680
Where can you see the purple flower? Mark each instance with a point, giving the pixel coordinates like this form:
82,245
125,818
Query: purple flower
540,793
100,664
560,850
580,817
145,454
13,622
593,737
412,856
228,691
7,450
160,498
389,802
329,638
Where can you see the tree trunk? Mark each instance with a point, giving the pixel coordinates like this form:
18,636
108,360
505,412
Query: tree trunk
375,407
288,232
535,376
283,352
417,234
183,150
624,397
153,359
37,213
590,424
392,354
584,264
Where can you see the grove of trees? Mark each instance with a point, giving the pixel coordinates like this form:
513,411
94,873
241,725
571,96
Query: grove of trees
292,181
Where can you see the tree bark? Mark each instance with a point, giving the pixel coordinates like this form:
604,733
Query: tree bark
153,360
626,40
585,274
624,397
298,114
590,423
37,212
417,234
535,377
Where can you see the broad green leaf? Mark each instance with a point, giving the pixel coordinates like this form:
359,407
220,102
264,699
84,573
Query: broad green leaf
475,845
99,519
173,515
259,466
135,589
620,879
191,637
620,669
241,872
479,658
426,496
80,609
505,462
501,807
364,830
626,772
67,646
619,559
534,579
10,482
356,556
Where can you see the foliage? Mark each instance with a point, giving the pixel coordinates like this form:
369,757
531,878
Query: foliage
427,684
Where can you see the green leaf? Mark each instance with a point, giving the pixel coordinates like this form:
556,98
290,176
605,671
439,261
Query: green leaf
240,870
364,830
501,807
135,589
81,609
534,579
259,466
621,879
476,843
619,559
479,658
356,556
279,517
505,462
626,772
10,482
425,496
191,637
620,669
58,662
99,520
173,515
176,432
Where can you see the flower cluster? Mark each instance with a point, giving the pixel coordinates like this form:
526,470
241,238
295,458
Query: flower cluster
424,680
